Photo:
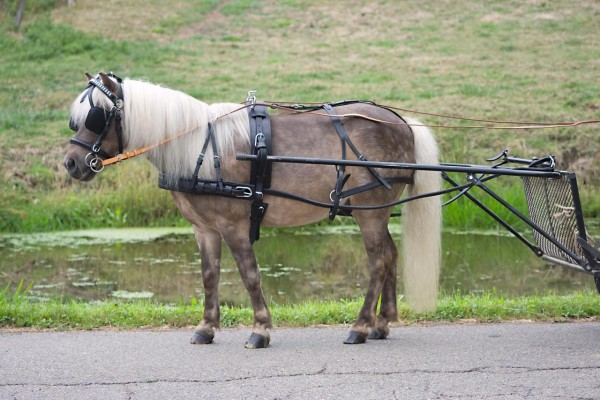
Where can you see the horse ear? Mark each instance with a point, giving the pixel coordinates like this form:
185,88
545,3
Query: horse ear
109,83
87,74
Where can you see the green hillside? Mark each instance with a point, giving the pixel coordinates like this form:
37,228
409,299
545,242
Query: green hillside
534,60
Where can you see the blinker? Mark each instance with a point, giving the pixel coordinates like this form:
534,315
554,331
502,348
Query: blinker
95,121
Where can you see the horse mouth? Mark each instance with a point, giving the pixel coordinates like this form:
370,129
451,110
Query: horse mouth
77,173
84,176
87,175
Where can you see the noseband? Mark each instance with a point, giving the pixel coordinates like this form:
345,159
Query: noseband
99,121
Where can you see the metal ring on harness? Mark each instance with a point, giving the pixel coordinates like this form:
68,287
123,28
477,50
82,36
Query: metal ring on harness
93,162
331,195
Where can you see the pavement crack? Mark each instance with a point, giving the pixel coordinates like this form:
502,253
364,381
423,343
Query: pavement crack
153,381
322,371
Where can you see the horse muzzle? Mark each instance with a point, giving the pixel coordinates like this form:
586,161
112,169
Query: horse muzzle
82,168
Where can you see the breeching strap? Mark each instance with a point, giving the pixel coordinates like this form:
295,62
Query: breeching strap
336,195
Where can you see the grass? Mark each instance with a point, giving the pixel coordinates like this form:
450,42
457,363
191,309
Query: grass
507,60
19,311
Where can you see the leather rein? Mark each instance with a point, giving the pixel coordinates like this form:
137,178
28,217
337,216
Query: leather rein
97,159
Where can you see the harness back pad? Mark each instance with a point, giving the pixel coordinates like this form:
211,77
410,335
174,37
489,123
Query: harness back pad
260,173
260,125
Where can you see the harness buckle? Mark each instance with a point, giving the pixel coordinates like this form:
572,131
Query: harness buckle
259,139
246,192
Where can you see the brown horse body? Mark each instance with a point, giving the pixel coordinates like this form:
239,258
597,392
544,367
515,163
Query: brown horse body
219,219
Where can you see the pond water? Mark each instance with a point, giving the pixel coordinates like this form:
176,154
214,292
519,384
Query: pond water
304,264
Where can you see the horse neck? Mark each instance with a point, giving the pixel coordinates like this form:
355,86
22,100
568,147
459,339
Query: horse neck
156,113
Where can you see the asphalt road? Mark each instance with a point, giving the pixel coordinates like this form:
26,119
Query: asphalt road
474,361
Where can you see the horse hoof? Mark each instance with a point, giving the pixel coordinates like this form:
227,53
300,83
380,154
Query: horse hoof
355,338
257,341
201,338
378,333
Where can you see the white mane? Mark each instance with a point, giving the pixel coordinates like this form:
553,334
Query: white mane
152,113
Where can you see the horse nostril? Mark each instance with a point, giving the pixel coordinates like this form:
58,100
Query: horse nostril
70,165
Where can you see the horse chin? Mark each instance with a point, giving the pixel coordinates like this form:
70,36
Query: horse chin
87,175
83,176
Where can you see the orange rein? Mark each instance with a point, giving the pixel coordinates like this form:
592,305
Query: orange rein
278,105
145,149
134,153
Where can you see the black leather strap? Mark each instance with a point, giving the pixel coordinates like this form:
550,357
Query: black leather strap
202,154
346,140
260,123
217,188
260,170
341,178
88,146
216,158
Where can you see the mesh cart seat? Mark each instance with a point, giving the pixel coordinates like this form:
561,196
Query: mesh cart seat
555,208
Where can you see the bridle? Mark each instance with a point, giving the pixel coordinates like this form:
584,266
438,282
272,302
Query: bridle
99,121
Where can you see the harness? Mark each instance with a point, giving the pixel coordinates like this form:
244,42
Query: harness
260,171
260,177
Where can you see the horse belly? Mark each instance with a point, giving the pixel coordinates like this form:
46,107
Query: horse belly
313,182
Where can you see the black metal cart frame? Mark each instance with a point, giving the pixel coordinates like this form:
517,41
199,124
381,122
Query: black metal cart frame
554,207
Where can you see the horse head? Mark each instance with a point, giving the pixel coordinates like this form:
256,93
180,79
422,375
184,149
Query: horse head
96,120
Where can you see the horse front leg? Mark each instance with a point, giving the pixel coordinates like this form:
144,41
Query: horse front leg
209,243
245,259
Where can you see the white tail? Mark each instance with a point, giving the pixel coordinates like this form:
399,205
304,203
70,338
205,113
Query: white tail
421,226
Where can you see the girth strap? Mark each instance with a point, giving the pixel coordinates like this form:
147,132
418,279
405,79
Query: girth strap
217,188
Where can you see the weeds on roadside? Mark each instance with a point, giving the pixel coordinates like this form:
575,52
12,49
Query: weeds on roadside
18,311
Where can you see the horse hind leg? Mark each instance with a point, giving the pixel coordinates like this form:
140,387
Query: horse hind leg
380,255
388,310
